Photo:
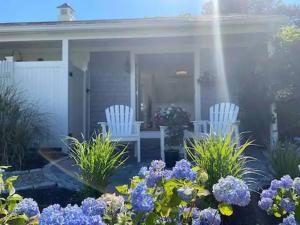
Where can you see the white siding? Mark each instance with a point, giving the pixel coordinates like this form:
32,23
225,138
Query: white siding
46,85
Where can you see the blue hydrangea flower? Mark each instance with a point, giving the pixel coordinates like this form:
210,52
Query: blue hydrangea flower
73,215
286,181
296,184
275,184
52,215
143,172
288,204
158,165
208,216
182,170
232,191
93,207
95,220
1,185
141,201
290,220
265,203
168,174
155,173
28,207
269,193
185,193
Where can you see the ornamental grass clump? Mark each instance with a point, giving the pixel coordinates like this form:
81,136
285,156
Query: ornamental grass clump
220,157
97,159
282,200
284,159
22,126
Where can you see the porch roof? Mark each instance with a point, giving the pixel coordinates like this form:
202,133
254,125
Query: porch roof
145,27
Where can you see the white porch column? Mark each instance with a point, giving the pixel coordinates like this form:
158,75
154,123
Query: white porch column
197,95
273,110
132,84
65,61
81,60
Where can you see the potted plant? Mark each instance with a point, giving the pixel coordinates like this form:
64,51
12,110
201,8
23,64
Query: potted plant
176,120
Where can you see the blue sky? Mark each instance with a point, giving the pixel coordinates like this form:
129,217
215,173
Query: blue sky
45,10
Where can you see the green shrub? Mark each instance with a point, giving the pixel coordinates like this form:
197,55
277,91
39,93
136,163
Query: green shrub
22,126
284,159
97,160
220,157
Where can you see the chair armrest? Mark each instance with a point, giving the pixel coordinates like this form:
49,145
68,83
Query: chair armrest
137,126
103,127
201,126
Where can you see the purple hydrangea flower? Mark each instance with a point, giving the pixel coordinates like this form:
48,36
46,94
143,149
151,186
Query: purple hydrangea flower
232,191
143,172
28,207
208,216
288,205
141,201
93,207
185,193
265,203
296,184
182,170
52,215
286,181
290,220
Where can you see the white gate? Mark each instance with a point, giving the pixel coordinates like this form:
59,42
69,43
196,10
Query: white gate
45,85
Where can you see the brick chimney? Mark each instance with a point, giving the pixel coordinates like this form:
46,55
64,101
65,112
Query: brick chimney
66,12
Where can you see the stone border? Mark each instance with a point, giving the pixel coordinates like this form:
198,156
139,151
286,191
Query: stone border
64,183
42,185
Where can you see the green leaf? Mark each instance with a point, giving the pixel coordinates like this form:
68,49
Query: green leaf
225,209
123,189
134,181
150,220
165,211
297,213
15,197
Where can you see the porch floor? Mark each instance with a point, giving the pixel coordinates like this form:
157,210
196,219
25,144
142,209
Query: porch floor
62,172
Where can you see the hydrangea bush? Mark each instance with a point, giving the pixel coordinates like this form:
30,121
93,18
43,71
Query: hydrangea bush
156,196
161,196
13,209
282,199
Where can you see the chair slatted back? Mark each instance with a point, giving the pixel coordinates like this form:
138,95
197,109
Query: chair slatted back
222,116
119,120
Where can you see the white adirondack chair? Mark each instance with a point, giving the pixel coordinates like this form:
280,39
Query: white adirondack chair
121,126
222,120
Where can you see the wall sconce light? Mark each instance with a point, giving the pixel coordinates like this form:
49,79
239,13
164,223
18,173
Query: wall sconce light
181,73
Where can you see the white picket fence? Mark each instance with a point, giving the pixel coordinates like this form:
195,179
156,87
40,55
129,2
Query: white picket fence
44,85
